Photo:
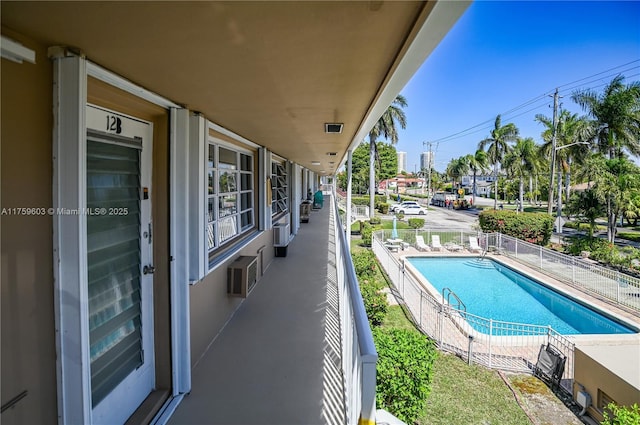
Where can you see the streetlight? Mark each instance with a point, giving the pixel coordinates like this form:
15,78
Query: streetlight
559,207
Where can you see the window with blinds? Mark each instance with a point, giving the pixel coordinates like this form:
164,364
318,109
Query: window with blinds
114,258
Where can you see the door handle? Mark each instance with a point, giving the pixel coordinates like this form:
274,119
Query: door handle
148,270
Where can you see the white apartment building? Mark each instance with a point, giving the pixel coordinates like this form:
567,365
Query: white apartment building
402,161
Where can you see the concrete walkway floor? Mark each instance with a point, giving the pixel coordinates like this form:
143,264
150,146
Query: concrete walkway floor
277,361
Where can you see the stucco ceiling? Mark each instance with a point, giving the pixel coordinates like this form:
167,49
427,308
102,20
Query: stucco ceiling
272,72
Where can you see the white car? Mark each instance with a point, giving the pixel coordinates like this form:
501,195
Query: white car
396,207
411,210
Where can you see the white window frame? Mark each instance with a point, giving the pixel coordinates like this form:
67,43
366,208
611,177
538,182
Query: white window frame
215,194
280,187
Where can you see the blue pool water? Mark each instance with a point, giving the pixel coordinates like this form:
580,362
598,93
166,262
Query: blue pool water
493,291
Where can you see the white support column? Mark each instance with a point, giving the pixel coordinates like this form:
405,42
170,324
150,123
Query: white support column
70,237
296,199
264,173
198,154
179,249
348,202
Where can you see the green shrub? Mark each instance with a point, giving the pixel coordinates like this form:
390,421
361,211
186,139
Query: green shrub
600,249
366,232
622,415
360,200
383,207
364,263
375,220
531,227
375,302
416,223
364,200
400,216
404,371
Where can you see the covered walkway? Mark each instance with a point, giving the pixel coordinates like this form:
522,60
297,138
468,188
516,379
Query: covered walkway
277,361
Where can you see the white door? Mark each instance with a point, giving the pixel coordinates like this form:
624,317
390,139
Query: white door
119,263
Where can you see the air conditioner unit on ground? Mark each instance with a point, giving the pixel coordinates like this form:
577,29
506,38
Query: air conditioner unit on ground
242,276
281,239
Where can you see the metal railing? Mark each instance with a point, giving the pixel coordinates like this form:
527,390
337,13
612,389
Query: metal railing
618,288
359,356
358,212
492,343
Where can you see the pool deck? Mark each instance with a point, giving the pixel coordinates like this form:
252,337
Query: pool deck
600,303
504,356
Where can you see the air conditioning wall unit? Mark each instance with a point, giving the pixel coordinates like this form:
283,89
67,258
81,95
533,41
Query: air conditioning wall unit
281,238
242,276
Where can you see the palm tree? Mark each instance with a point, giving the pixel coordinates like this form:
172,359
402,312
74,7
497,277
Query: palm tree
572,131
385,127
522,162
588,207
615,180
457,168
616,116
497,145
478,162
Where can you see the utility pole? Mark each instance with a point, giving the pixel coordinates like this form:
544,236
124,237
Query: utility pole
427,176
553,150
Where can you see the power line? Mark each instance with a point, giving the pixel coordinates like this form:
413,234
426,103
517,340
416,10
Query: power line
603,72
484,125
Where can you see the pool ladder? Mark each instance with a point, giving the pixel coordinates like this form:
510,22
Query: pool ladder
460,305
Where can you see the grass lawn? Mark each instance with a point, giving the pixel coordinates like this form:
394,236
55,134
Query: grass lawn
463,394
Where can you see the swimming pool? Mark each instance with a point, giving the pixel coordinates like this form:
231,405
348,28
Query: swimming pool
494,291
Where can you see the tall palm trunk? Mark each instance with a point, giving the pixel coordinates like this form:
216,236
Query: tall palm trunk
521,194
475,188
611,222
372,177
495,186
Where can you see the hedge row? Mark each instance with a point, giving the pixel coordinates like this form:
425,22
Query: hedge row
405,365
531,227
405,357
375,301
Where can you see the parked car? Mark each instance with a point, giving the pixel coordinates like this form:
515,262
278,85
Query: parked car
396,207
412,210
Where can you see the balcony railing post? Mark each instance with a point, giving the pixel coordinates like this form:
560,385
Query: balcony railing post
421,301
540,250
368,406
490,339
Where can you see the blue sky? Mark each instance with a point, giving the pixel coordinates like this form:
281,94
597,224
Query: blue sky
501,55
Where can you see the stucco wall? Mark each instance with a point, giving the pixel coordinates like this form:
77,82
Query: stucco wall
593,376
211,307
28,341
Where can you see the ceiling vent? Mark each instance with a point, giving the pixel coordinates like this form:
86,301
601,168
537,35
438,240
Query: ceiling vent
333,127
332,153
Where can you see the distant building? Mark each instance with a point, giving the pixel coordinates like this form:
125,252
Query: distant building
402,161
426,159
467,181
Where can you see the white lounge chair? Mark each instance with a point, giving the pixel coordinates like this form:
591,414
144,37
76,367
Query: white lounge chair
420,245
452,246
473,244
435,243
